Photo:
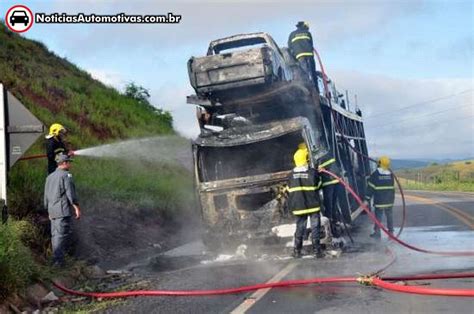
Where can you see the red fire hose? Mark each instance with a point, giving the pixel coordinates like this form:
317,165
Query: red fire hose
33,157
375,281
422,290
371,280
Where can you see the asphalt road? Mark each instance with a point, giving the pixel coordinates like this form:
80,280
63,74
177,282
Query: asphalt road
435,220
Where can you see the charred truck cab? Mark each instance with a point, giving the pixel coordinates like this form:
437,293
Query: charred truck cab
251,123
241,174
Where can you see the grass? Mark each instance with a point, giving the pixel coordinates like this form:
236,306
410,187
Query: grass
17,264
145,185
457,176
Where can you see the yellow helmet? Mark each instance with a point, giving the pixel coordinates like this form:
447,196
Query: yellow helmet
302,145
55,128
384,162
301,157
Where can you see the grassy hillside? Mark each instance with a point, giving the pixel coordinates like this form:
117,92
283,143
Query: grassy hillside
456,176
125,203
56,90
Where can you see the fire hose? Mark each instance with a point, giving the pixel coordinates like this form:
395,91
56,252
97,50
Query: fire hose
371,280
368,281
33,157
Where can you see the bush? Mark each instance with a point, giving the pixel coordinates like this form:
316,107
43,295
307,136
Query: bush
17,265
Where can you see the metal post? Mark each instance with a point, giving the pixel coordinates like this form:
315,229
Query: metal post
3,155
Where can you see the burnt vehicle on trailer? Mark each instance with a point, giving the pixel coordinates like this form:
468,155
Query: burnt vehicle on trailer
243,155
246,61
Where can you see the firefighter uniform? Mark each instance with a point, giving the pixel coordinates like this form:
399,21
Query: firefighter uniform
381,188
330,191
55,145
300,43
304,201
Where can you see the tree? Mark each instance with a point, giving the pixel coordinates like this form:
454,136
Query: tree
139,93
142,96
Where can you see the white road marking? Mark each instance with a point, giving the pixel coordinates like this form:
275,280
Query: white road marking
257,295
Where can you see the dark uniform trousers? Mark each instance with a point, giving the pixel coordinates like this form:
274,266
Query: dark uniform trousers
309,66
331,190
301,223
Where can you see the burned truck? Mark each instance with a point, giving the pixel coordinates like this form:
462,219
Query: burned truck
250,130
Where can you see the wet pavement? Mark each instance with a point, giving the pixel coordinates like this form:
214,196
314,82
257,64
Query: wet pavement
438,221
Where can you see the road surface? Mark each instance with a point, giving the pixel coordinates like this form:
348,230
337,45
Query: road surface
436,220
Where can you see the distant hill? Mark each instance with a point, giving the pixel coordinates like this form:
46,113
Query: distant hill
56,90
407,164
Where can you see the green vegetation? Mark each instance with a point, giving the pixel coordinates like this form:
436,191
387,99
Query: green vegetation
457,176
18,267
55,90
142,185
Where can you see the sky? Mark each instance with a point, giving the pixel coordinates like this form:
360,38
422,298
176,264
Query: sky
410,62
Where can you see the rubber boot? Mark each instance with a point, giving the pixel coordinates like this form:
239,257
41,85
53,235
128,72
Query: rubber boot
297,253
318,253
376,235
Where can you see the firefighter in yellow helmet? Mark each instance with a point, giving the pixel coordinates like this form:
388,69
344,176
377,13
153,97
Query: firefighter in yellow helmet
300,44
303,201
380,187
55,145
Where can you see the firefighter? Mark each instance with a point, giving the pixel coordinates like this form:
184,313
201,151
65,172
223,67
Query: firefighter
330,187
304,202
381,188
300,44
55,145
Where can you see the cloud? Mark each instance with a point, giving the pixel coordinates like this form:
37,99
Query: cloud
151,54
461,48
172,97
416,118
110,78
